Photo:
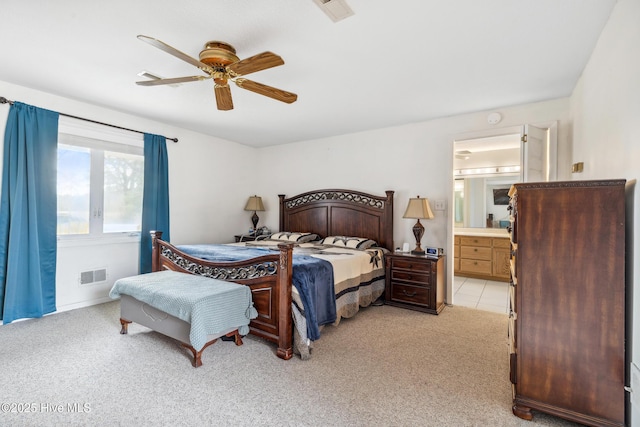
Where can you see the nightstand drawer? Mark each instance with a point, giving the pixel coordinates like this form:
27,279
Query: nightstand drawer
416,279
409,264
410,294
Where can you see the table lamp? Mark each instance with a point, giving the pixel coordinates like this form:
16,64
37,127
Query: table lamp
418,209
254,204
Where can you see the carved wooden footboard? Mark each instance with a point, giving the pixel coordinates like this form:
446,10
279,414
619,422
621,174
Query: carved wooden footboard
269,278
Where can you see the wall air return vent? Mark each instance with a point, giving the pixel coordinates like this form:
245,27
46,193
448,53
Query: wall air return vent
93,276
337,10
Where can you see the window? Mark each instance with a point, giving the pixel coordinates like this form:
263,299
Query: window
123,182
100,184
74,189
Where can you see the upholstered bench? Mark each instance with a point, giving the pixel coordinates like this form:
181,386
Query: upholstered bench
194,310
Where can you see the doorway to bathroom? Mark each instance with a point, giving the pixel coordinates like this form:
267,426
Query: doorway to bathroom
485,166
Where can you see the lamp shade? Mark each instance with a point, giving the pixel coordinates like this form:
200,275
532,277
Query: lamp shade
418,209
254,204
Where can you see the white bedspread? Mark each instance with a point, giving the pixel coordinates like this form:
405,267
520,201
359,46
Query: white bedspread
359,281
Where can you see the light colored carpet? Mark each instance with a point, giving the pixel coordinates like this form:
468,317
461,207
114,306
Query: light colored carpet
385,367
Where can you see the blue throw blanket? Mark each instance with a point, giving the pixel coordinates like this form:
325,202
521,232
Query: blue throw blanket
312,277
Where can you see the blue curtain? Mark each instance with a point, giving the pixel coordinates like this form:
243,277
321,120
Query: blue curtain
28,213
155,198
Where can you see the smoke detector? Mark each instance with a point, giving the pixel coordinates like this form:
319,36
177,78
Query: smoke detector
494,118
337,10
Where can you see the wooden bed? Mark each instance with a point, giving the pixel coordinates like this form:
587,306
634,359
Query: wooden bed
323,212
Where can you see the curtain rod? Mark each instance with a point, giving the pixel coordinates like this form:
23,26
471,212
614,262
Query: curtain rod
4,100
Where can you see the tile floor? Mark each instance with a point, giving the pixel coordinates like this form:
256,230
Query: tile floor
481,294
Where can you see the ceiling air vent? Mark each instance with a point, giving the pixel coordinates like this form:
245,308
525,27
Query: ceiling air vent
337,10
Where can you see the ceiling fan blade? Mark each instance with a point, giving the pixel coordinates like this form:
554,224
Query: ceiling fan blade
258,62
175,52
157,82
223,97
265,90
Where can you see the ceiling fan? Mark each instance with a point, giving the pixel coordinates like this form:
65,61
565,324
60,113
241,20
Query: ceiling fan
219,61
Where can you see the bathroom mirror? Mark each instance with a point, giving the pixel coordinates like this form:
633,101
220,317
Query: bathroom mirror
481,202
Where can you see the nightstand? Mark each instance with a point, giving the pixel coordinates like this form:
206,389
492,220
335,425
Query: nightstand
415,282
245,237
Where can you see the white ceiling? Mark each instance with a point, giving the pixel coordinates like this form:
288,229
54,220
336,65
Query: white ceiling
501,142
393,62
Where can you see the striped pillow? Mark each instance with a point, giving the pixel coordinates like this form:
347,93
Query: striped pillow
349,242
294,237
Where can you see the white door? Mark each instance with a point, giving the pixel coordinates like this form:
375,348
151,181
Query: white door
534,154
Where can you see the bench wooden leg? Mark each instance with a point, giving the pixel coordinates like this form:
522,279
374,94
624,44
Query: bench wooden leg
236,337
197,355
125,326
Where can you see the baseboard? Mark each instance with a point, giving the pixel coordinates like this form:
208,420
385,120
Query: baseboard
68,307
82,304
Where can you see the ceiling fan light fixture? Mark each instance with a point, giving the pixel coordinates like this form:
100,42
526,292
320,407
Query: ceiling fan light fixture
218,53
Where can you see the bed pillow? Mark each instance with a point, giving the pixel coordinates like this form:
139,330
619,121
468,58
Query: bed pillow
349,242
294,237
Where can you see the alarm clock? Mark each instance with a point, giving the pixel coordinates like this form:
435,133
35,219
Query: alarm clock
433,252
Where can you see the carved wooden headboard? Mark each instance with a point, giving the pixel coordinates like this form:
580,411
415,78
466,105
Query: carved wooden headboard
340,213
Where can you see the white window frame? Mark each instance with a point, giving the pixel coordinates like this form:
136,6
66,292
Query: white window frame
99,138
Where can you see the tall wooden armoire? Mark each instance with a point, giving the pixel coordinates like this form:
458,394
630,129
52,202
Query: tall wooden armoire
567,325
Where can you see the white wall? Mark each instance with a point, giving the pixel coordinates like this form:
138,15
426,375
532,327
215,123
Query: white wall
605,109
204,206
415,159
